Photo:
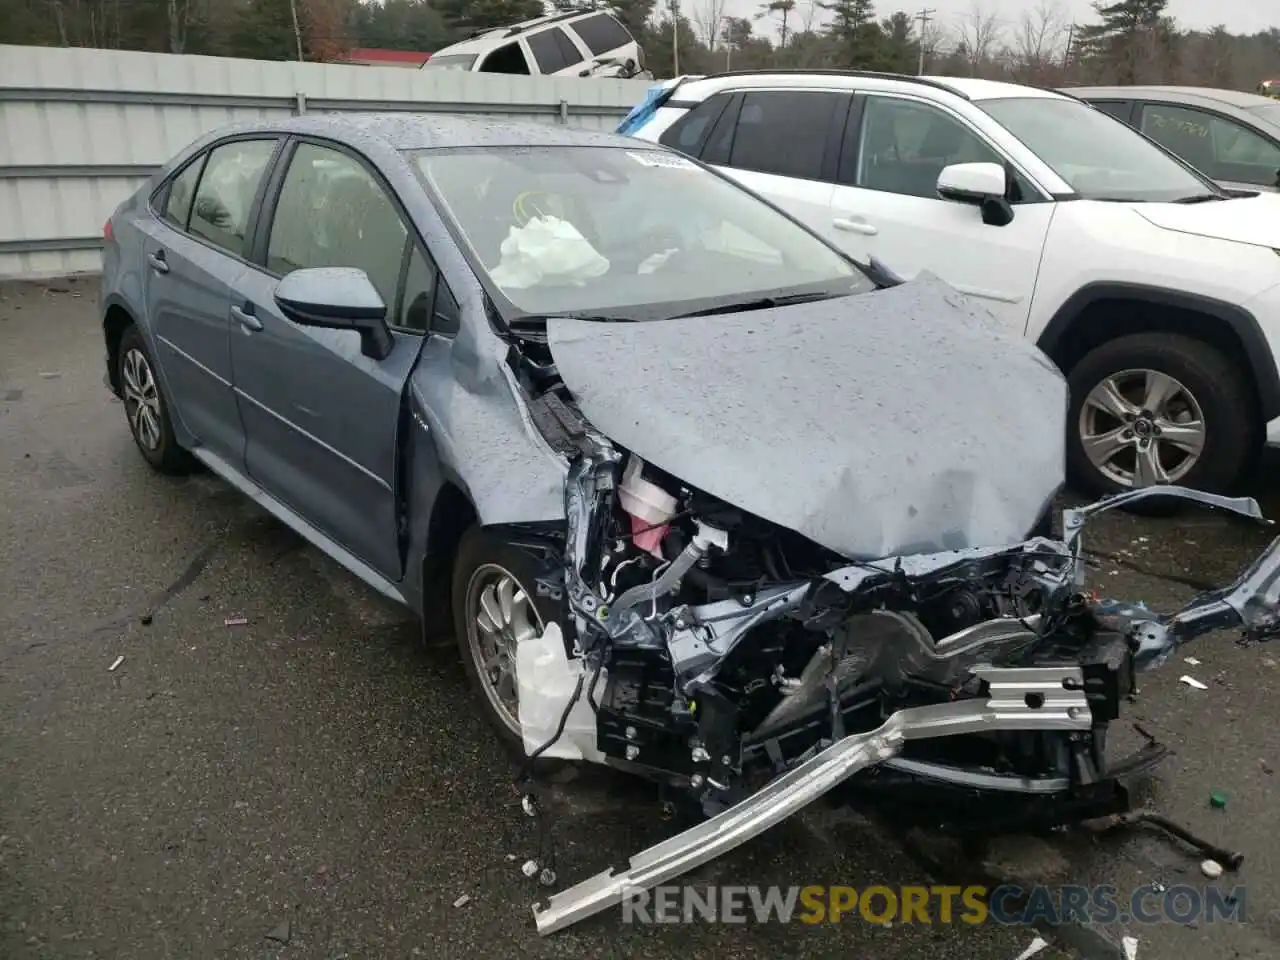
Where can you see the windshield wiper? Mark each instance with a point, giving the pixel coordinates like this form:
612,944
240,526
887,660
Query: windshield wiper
763,303
1200,198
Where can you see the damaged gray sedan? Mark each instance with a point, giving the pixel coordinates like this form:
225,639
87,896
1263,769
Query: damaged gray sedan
705,500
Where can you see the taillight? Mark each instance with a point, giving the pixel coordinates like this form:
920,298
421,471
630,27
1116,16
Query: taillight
107,233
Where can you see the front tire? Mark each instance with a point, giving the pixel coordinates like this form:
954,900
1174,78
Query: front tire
495,605
1158,408
146,408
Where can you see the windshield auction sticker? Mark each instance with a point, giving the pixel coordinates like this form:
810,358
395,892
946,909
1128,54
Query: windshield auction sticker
652,158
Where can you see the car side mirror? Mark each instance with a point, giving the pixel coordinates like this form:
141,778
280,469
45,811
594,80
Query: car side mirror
983,185
337,298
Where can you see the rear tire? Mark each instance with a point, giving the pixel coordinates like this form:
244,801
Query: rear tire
1162,392
146,408
488,571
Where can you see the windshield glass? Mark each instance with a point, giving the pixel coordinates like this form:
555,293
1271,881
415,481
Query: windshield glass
1267,111
635,233
451,61
1101,157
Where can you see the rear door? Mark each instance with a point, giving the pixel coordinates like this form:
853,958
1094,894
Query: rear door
322,419
783,144
554,52
193,252
886,205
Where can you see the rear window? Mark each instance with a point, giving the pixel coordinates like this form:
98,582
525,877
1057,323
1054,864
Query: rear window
601,33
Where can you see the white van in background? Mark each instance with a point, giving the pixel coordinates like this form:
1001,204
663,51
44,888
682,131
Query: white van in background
574,44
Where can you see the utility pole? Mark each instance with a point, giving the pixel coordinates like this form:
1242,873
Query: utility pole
923,18
1066,55
674,6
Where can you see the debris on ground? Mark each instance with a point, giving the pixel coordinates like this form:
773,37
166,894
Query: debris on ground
1191,681
1193,661
1037,945
119,660
1265,767
146,619
1130,945
235,621
49,376
530,868
280,933
462,901
1217,799
1211,869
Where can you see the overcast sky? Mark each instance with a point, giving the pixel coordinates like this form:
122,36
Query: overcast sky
1239,16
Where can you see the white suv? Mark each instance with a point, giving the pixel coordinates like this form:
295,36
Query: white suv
575,43
1155,291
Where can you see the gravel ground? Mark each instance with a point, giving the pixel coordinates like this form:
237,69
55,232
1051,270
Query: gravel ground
317,776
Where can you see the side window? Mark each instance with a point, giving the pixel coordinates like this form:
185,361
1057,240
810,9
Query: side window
1184,132
508,58
333,213
1221,148
419,293
1115,108
689,132
224,199
182,190
601,33
784,132
903,146
552,50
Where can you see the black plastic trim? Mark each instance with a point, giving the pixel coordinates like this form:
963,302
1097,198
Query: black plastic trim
1262,360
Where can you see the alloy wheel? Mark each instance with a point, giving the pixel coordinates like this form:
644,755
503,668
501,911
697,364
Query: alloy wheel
500,615
141,399
1142,427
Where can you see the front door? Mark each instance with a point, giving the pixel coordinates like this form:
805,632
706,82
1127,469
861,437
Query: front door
886,205
322,419
192,254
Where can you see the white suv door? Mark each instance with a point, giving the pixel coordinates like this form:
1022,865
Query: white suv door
783,144
886,204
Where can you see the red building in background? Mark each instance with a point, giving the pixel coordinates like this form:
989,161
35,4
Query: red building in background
374,57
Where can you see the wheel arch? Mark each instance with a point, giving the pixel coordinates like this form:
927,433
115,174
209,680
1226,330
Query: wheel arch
116,319
452,514
1100,312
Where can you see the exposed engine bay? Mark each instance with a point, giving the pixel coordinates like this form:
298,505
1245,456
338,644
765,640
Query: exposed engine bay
735,659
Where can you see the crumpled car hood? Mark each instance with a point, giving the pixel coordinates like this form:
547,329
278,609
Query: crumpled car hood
903,421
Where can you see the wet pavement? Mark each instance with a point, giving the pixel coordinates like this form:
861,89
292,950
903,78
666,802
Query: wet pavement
316,783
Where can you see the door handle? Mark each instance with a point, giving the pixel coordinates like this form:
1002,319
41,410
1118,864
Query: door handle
854,225
246,319
158,263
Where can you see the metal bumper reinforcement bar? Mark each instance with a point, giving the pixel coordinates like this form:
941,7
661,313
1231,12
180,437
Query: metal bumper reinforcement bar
1026,698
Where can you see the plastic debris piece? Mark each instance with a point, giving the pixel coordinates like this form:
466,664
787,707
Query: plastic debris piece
119,660
1211,869
1193,661
529,868
462,901
1130,945
548,877
1037,945
281,933
1192,682
1217,799
235,621
511,857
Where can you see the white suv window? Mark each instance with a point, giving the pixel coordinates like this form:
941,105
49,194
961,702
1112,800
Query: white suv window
784,132
553,50
905,144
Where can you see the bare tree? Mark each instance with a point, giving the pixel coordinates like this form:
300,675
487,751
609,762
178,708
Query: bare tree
978,32
1039,41
708,17
781,9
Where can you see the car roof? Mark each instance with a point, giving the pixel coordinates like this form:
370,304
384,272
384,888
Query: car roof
1234,98
967,87
425,131
485,39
